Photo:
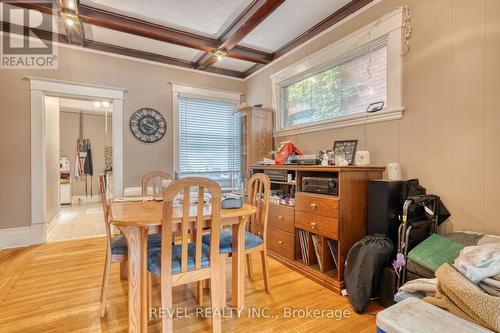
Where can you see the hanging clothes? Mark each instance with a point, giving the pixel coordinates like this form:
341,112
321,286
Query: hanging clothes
81,154
88,167
78,165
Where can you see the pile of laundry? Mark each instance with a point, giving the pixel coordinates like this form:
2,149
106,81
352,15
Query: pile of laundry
470,288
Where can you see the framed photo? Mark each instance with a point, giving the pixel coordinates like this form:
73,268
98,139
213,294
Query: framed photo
347,148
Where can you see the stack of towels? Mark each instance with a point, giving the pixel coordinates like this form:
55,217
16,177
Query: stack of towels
470,288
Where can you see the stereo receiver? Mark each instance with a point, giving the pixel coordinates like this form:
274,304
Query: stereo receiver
320,185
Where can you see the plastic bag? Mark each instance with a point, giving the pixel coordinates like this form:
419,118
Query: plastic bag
286,150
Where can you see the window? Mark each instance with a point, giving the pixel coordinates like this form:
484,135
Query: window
334,86
345,88
209,140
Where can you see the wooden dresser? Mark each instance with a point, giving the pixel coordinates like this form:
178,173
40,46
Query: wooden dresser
318,222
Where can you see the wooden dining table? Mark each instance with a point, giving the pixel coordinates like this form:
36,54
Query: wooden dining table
135,218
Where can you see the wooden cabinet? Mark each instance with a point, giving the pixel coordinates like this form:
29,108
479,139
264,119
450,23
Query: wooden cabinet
317,224
280,242
329,221
318,204
256,138
282,217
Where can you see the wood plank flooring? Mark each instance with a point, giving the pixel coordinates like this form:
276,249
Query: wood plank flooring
55,288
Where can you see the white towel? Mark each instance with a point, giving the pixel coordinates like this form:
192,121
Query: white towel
479,262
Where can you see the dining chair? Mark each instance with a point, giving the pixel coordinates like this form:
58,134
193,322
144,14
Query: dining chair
189,261
156,179
116,246
258,190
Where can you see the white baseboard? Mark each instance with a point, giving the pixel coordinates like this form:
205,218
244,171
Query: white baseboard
22,236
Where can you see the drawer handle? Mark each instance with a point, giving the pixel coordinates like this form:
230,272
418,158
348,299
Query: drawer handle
280,242
313,225
280,217
313,205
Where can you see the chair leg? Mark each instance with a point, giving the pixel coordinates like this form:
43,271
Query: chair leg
167,321
200,292
249,266
265,270
216,283
223,261
150,293
105,282
123,270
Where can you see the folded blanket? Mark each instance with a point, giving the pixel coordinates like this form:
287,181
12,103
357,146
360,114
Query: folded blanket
489,289
402,295
479,262
426,286
493,282
461,297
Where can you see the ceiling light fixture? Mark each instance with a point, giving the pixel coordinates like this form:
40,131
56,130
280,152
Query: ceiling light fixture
70,22
105,104
97,104
219,54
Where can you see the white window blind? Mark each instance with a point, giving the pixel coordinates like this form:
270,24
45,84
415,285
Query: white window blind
209,141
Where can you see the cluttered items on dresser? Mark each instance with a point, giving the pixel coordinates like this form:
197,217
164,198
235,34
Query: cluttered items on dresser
344,153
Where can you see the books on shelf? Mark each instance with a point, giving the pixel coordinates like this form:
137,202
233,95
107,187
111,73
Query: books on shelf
302,247
334,251
318,242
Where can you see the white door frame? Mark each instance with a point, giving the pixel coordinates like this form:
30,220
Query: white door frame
39,88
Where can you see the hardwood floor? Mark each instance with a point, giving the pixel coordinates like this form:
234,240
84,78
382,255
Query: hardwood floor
55,288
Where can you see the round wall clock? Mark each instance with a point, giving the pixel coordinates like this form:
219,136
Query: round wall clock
148,125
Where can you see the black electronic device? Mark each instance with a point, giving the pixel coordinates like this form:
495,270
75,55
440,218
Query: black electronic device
322,185
277,175
384,207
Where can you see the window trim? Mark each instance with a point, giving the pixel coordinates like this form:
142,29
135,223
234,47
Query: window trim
389,27
193,91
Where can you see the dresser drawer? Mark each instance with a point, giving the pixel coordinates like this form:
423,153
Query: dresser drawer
280,242
317,204
317,224
282,217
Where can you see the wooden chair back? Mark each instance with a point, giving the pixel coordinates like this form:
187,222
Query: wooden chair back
259,187
197,221
106,200
154,179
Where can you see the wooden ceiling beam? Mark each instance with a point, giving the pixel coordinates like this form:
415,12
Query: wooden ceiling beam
252,70
104,47
31,5
252,17
142,28
336,17
247,21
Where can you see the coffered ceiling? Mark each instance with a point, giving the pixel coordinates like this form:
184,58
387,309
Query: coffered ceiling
229,37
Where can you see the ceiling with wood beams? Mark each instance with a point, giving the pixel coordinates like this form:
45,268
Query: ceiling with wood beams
228,37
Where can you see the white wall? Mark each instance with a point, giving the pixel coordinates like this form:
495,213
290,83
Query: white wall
52,202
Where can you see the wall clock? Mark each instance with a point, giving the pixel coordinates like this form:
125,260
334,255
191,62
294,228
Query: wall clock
148,125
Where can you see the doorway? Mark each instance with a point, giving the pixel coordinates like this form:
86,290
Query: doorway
79,145
45,98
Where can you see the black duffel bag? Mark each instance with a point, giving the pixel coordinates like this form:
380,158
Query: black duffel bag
363,270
